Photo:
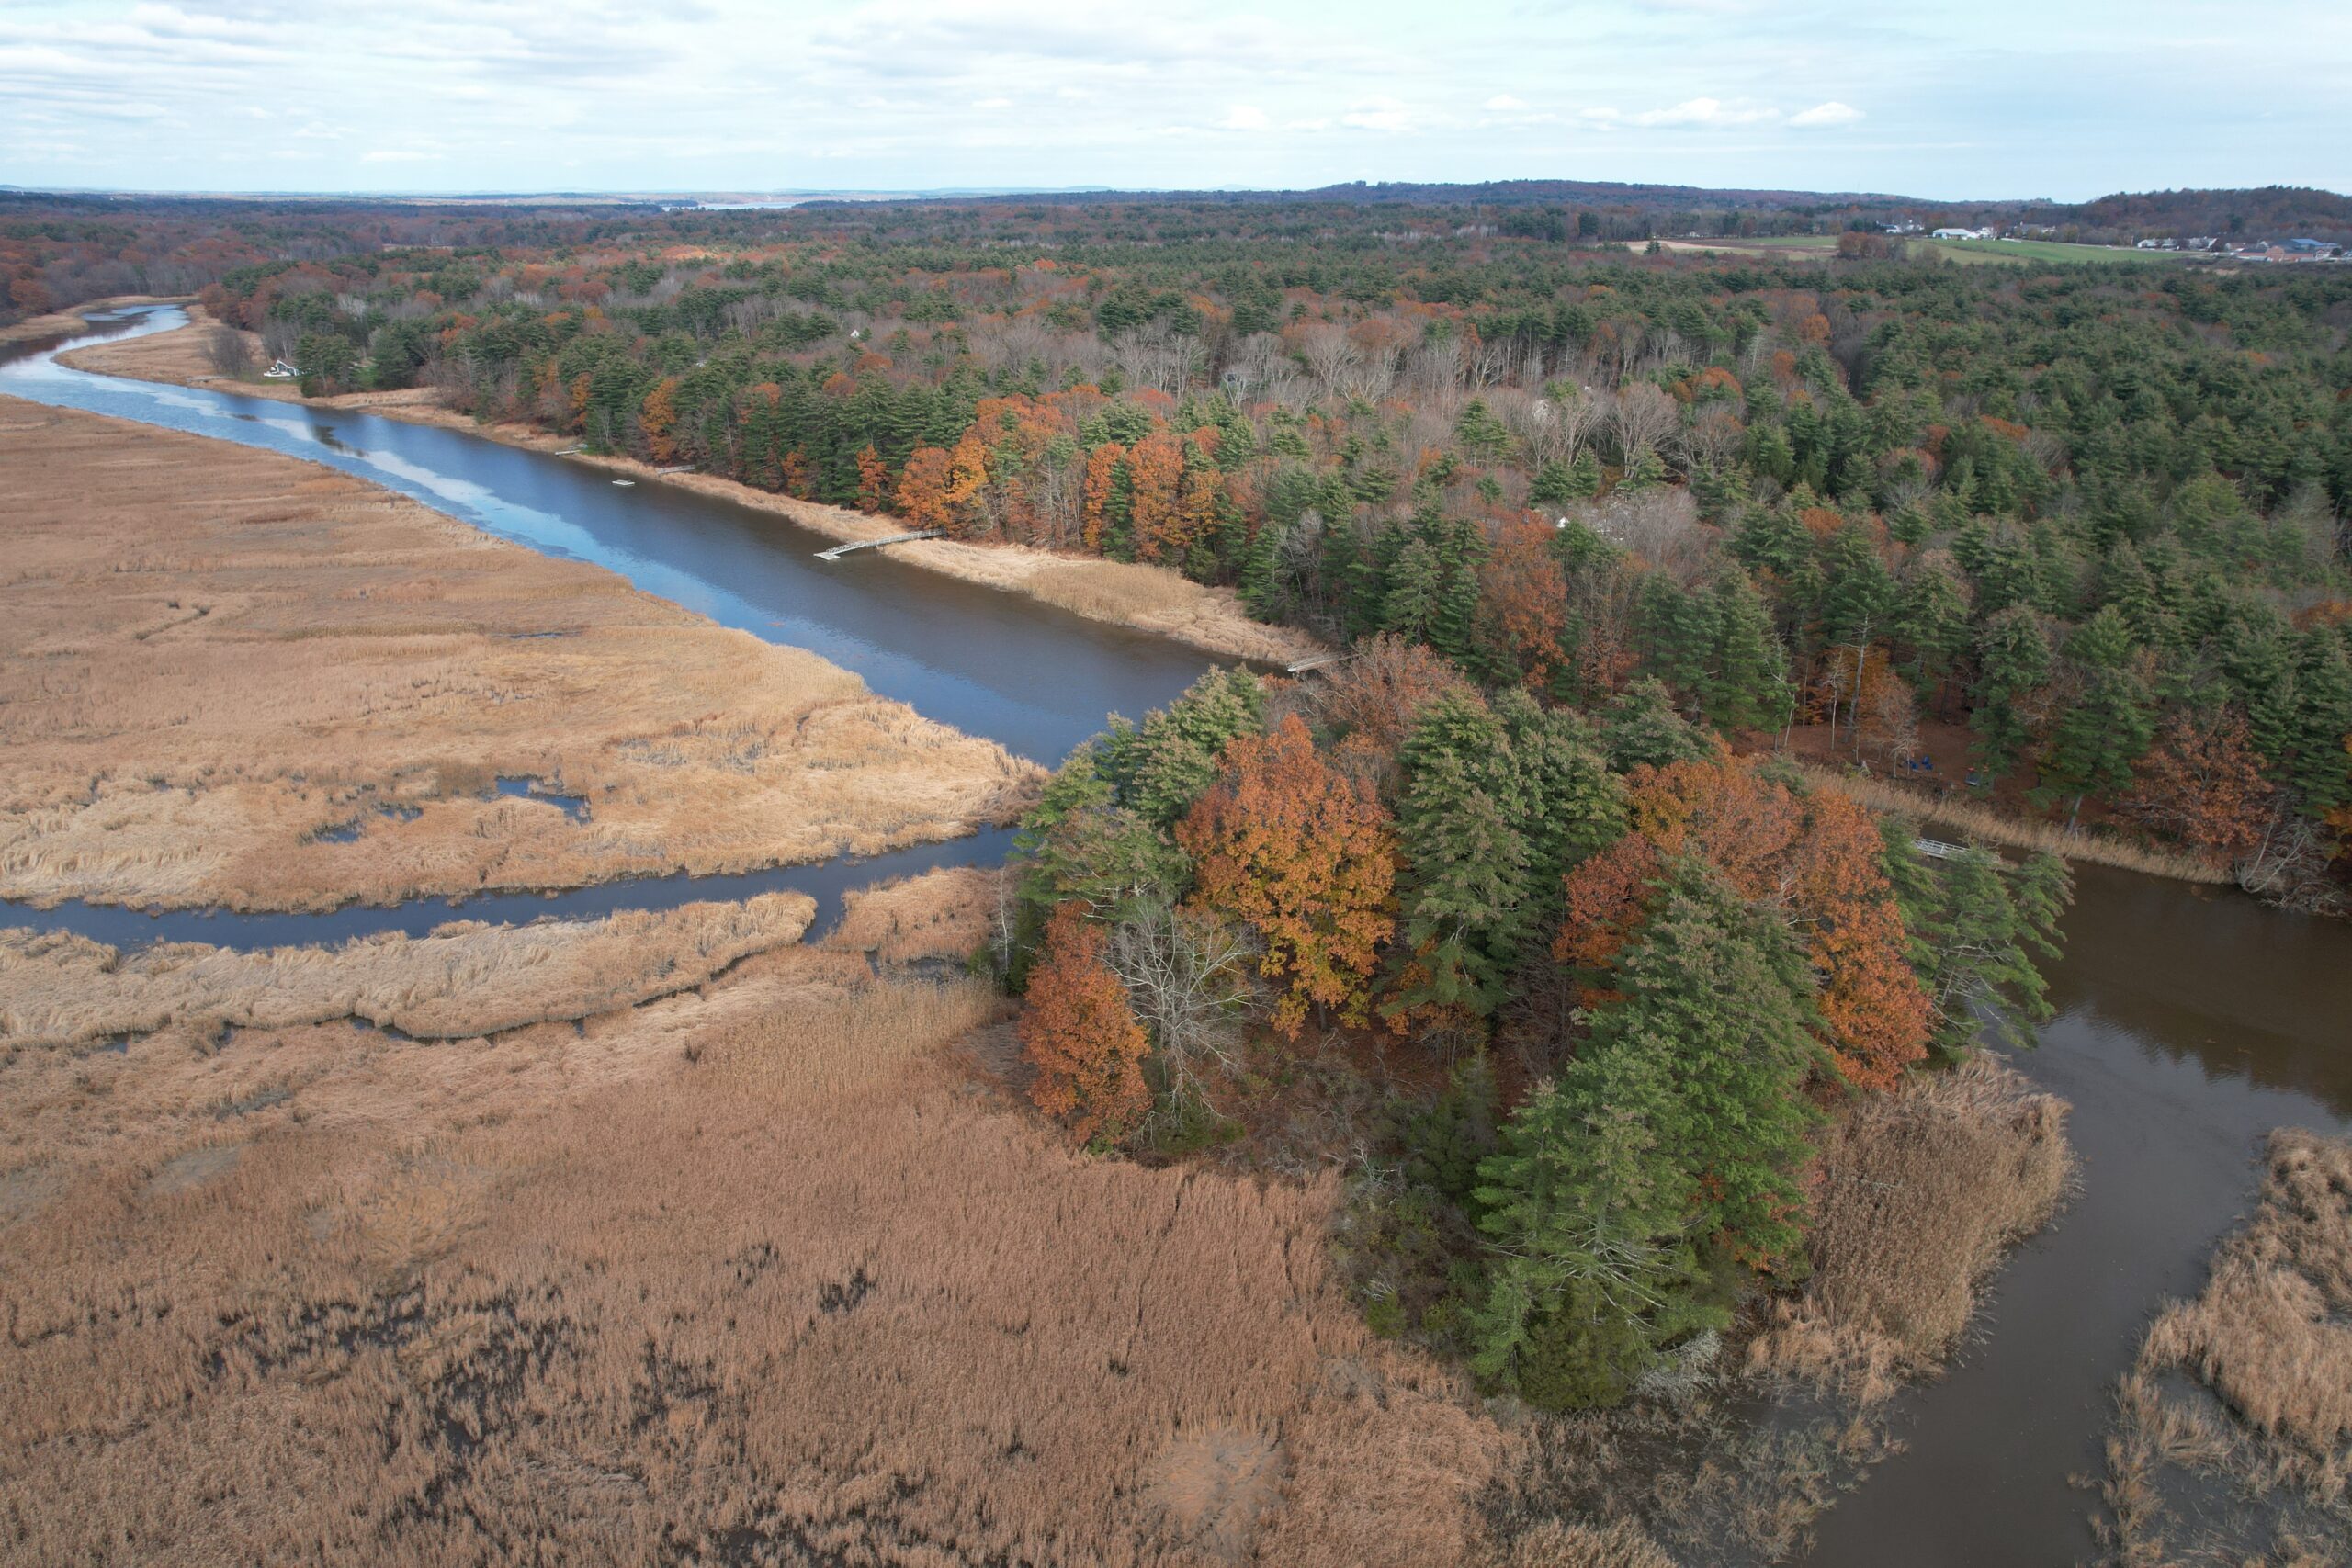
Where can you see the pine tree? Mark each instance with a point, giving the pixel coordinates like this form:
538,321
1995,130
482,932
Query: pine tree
1714,991
1644,470
1594,1264
2109,726
1749,686
2013,659
1642,729
1411,591
2323,722
1678,1131
1464,885
1677,631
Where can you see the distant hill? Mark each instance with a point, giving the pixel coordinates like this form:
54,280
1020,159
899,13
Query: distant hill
2272,212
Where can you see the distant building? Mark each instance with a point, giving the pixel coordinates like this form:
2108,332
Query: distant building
1966,234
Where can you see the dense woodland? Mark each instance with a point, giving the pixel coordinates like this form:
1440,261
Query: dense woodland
1613,536
2091,516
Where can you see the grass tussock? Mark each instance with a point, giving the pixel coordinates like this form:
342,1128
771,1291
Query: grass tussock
1984,825
742,1275
950,913
1921,1195
464,979
229,677
2242,1398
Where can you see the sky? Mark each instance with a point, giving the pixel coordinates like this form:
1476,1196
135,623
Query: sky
1984,99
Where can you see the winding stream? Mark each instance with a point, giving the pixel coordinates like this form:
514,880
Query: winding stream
1035,679
2190,1021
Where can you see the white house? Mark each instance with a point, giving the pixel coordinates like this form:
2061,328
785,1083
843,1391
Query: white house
1965,234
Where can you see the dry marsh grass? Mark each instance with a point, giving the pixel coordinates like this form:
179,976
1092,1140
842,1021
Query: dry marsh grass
2247,1390
1919,1197
1985,825
217,663
1148,598
950,913
780,1294
464,979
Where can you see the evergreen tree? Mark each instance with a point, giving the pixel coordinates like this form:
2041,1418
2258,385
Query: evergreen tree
1749,686
1411,591
1642,727
2013,659
1678,1129
2111,720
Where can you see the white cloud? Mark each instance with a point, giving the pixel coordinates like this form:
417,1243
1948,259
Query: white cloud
993,103
1503,103
1379,114
397,155
1831,113
1246,116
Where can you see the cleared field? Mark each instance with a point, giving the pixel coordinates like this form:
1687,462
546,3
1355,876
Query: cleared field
228,677
743,1276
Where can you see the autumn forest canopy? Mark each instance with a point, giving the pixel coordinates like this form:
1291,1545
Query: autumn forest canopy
1637,559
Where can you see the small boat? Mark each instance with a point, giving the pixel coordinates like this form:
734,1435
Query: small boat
625,483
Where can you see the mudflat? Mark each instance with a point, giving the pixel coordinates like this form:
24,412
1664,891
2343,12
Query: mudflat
233,678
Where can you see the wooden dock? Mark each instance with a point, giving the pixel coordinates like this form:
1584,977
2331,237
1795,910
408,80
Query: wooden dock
840,550
1318,662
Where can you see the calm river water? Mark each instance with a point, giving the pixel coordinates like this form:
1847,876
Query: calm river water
2191,1021
1033,678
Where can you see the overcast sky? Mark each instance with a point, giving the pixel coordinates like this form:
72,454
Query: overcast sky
2063,98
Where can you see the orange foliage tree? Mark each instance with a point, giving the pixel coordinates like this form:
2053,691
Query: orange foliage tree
1306,856
923,489
1523,597
2202,784
1078,1030
873,479
1815,858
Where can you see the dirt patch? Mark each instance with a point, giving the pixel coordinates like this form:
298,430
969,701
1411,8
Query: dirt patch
228,677
465,978
1148,598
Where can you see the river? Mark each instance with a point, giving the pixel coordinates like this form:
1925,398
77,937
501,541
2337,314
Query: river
2190,1021
1033,678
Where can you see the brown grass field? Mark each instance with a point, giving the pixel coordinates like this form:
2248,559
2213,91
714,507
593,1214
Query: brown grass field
1920,1196
950,913
465,978
2246,1393
1984,825
1148,598
210,657
702,1283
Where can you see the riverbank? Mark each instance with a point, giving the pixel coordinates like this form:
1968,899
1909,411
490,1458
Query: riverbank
59,323
241,680
1145,598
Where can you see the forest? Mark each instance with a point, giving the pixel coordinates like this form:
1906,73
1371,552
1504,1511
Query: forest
2064,540
1638,561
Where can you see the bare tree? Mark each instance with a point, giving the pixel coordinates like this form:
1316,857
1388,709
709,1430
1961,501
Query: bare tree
1187,976
229,353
